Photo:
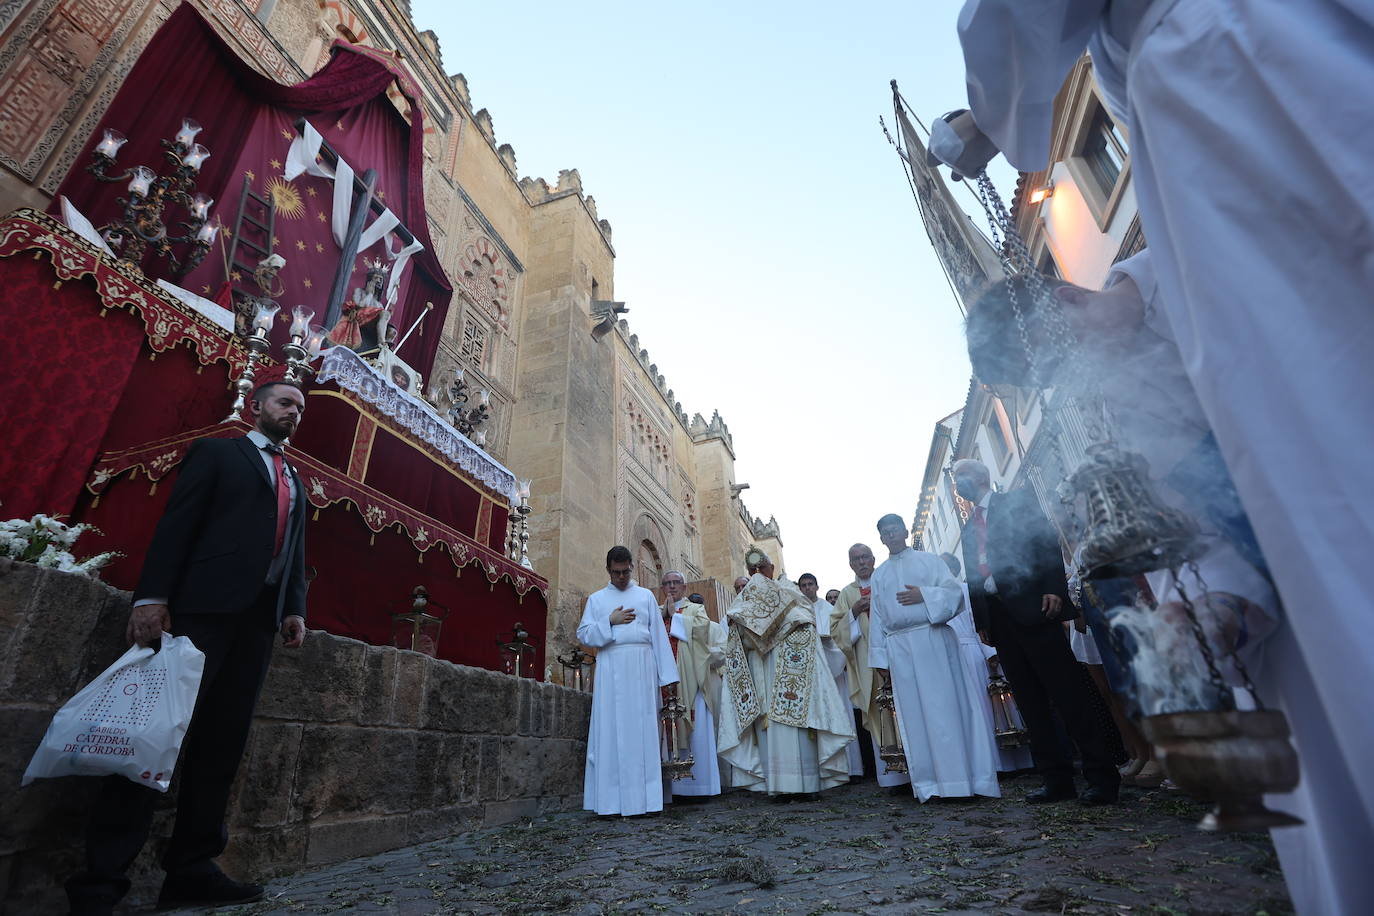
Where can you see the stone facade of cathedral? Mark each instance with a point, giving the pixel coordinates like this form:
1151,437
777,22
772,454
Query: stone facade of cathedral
613,456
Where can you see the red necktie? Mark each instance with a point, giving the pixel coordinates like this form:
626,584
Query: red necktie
283,501
980,528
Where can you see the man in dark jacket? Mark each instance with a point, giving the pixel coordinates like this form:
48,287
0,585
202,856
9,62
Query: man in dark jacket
226,567
1020,597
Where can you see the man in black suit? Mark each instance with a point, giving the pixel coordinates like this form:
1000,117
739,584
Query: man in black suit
226,567
1020,596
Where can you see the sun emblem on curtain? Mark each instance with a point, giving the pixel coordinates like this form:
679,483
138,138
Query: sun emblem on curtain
286,197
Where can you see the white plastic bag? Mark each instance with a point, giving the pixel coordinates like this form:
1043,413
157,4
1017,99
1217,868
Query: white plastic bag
128,721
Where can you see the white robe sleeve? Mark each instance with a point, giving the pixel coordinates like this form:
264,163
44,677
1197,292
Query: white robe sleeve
1016,55
663,650
715,644
822,609
877,629
677,629
944,597
595,628
856,631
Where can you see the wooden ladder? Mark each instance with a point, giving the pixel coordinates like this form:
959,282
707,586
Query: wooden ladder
251,242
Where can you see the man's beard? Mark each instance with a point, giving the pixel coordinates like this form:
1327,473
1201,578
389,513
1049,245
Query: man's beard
279,429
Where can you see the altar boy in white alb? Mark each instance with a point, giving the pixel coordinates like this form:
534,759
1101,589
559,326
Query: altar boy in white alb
633,661
950,752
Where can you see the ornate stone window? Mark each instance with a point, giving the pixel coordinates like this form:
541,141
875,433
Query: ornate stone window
484,278
473,346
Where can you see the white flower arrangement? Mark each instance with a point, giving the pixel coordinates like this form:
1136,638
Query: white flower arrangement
47,542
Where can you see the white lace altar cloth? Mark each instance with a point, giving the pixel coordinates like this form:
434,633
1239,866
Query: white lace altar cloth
342,365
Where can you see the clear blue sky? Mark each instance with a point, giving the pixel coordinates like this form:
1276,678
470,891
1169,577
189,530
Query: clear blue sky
767,244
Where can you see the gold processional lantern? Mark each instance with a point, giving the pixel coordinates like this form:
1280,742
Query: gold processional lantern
418,627
1008,725
890,750
676,742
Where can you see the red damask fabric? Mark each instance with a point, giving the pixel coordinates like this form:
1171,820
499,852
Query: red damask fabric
62,370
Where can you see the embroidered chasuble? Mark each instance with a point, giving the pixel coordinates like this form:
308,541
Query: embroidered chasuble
783,724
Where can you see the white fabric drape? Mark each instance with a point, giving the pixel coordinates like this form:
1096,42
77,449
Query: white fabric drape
301,158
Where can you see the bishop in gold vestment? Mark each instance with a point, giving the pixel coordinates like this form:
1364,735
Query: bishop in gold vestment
783,725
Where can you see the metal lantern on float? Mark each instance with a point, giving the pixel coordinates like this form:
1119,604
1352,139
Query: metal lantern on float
890,750
1007,723
417,628
517,649
574,665
676,741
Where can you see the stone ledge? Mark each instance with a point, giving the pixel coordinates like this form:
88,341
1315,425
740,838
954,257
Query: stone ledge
355,749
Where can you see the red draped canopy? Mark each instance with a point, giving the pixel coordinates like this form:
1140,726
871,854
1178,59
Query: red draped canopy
187,70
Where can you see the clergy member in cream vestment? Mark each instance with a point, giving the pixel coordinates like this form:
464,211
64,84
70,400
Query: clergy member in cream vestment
622,622
849,625
699,645
782,725
950,750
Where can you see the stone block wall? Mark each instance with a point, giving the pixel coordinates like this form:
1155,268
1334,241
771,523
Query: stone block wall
355,749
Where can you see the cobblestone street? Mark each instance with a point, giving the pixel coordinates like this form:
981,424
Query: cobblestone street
858,849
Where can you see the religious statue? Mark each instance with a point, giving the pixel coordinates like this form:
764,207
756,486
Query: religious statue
363,325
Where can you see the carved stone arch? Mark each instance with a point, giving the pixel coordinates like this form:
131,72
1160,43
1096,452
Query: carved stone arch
342,22
651,547
484,270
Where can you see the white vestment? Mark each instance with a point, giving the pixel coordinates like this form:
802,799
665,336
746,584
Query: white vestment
633,660
834,657
780,737
1265,276
705,778
949,744
974,653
